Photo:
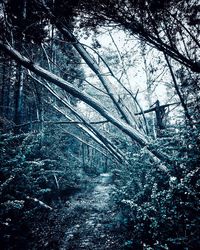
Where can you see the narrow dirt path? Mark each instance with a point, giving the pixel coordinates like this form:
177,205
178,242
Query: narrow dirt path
92,227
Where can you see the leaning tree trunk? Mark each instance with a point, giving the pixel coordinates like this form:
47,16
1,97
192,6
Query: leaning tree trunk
135,135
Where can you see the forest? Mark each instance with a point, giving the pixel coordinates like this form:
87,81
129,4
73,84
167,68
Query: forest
99,124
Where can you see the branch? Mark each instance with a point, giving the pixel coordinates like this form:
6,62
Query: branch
59,122
86,143
178,91
161,45
183,26
6,183
160,106
41,203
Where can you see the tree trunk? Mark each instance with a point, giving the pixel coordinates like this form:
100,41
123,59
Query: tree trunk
18,116
186,111
142,140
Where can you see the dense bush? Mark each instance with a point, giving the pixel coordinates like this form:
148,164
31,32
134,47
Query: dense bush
162,210
34,183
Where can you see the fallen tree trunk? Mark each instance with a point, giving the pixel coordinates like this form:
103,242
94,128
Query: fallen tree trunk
89,61
141,139
86,126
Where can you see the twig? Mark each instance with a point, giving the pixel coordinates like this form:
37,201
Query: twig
41,203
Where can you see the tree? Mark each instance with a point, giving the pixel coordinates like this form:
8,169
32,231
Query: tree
64,147
155,22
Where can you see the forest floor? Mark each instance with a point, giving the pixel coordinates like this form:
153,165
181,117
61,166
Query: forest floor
94,222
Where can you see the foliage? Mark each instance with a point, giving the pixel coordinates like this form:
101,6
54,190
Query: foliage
34,183
155,22
42,168
163,211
